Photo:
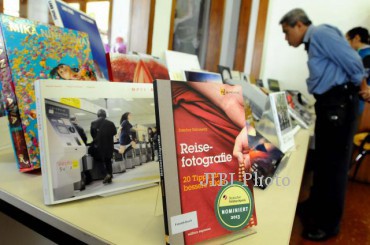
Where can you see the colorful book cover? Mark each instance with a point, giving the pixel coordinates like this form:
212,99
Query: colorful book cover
137,69
283,124
36,51
203,76
204,161
265,158
2,107
66,172
65,16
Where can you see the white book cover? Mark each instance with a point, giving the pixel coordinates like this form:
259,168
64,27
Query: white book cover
69,173
178,62
283,125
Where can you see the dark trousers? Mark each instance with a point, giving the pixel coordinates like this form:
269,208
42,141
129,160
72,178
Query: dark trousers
108,165
335,127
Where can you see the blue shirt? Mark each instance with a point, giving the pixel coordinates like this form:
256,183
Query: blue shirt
331,60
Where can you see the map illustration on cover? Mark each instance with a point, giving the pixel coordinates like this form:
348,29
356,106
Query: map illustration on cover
202,174
36,51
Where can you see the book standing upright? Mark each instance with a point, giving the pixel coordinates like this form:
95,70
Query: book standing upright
30,51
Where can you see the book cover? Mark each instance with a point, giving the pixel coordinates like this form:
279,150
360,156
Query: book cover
65,16
137,69
2,107
298,103
202,76
265,158
178,62
67,174
31,51
203,149
225,72
283,125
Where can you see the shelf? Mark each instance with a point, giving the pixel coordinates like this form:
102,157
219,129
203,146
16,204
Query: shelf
135,217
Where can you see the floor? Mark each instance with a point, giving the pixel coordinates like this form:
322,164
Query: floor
355,227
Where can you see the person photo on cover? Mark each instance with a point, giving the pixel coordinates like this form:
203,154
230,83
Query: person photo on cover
335,74
103,131
126,141
63,71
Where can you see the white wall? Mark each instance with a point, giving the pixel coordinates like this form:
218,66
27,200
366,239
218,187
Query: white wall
288,64
161,28
38,10
121,14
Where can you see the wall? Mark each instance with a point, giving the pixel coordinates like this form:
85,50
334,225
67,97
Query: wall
121,13
288,64
161,28
38,10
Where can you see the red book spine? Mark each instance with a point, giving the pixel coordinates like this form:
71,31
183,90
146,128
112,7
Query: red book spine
11,107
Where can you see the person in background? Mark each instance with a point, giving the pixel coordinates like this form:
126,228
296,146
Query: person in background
335,74
155,144
79,129
151,140
126,140
102,131
359,40
119,46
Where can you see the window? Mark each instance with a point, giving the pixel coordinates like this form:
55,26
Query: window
100,12
11,7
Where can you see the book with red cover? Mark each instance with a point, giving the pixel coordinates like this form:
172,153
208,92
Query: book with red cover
202,134
137,69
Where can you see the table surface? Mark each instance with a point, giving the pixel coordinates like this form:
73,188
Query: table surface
136,217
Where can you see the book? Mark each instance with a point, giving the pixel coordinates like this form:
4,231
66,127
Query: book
136,68
283,124
265,158
203,162
202,76
2,107
299,108
62,150
178,62
225,72
66,16
30,51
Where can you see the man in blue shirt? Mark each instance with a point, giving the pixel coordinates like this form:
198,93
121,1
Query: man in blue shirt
335,74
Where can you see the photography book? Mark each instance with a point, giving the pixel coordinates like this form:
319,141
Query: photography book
202,76
136,68
66,16
265,158
203,159
68,172
31,50
178,62
283,125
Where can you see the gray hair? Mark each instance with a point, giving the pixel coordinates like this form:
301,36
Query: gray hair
293,16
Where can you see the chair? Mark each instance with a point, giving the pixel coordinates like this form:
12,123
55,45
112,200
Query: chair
362,141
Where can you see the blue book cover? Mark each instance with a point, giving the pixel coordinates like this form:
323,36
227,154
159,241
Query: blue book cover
65,16
31,51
